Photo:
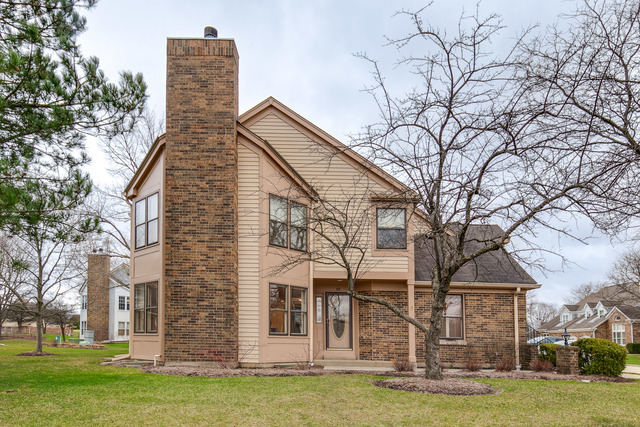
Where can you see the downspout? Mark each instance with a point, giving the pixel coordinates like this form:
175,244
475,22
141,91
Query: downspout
515,323
311,319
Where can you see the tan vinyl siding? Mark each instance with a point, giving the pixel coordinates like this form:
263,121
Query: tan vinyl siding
333,177
248,255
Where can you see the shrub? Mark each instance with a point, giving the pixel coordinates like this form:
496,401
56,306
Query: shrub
600,357
633,348
548,352
472,365
541,365
506,364
402,365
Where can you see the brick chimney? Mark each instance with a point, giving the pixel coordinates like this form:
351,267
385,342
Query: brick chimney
201,200
98,270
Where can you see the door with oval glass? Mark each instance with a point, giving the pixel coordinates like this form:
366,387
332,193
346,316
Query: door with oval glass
339,321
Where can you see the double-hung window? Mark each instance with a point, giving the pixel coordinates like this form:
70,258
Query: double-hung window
287,310
391,228
618,333
145,306
287,223
452,318
84,302
147,221
123,302
123,329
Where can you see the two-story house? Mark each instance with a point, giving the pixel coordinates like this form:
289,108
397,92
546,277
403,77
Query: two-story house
223,263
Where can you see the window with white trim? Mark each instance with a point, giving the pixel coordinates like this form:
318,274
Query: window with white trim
83,327
123,302
123,329
84,302
146,217
452,318
618,330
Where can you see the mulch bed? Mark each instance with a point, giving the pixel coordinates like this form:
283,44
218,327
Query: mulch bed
450,386
454,382
71,345
37,353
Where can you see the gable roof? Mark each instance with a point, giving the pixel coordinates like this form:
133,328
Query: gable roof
492,267
272,105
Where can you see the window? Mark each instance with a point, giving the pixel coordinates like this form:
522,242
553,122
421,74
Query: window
145,305
298,220
287,310
84,302
123,329
287,223
122,303
618,333
147,221
452,319
565,318
83,327
391,228
277,221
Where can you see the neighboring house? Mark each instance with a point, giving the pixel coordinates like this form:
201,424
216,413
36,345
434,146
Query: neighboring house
30,328
609,314
105,300
221,201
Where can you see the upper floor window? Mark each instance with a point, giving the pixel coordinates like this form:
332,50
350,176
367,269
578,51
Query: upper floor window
391,228
287,223
452,318
123,303
84,302
145,306
147,221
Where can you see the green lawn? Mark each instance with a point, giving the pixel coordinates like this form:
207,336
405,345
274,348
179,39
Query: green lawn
73,389
633,359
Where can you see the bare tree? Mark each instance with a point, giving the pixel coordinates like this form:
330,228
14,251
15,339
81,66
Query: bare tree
539,312
125,153
583,290
586,74
625,276
12,278
469,140
44,255
59,313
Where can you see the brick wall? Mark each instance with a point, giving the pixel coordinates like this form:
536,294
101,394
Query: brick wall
98,270
382,334
200,199
488,328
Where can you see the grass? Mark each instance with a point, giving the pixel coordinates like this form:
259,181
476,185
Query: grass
73,389
633,359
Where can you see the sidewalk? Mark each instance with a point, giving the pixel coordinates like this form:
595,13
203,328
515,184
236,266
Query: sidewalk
631,372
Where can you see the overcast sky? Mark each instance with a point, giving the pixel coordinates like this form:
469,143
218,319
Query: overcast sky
302,53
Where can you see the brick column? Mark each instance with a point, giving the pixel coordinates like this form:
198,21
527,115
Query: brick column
98,270
567,360
201,201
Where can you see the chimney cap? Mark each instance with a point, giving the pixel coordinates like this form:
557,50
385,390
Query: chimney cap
210,33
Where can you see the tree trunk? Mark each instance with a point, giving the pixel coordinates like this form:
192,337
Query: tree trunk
433,370
38,333
62,330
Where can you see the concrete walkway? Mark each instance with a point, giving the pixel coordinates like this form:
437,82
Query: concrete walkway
631,372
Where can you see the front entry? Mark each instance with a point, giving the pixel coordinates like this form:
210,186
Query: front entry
339,321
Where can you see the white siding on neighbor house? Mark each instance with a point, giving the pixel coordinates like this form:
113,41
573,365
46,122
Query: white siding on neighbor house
334,178
115,314
248,254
